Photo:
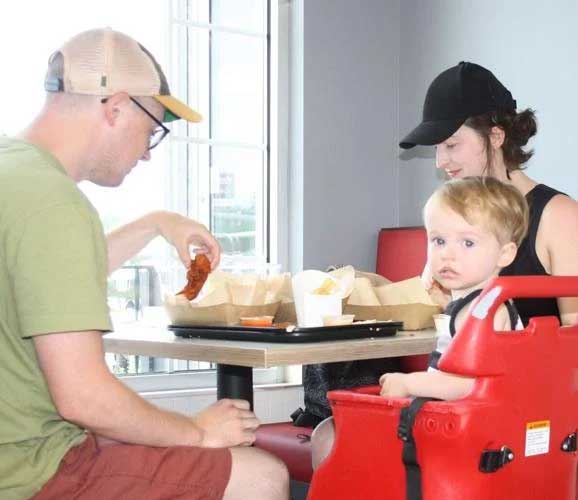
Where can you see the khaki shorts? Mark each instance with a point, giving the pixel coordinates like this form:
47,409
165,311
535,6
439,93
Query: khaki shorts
121,471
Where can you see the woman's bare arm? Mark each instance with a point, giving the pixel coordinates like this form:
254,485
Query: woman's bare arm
558,240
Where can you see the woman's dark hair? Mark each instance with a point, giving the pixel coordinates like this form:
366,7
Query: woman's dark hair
517,127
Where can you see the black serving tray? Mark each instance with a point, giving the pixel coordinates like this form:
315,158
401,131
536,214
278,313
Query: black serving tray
299,334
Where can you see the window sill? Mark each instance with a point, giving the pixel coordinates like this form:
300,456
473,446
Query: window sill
213,390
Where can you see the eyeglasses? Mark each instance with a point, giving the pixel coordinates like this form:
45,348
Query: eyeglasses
158,134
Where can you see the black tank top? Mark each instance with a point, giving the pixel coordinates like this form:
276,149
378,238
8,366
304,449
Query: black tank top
527,261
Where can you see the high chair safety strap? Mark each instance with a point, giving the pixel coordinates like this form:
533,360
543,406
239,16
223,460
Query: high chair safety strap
409,452
456,306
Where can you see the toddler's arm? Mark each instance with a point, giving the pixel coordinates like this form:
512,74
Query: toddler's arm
433,384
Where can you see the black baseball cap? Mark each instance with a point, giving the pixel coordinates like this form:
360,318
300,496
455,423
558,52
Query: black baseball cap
455,95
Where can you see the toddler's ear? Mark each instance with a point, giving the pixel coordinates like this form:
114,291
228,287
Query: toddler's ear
507,254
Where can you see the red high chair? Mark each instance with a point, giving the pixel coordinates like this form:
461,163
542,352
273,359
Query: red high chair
513,437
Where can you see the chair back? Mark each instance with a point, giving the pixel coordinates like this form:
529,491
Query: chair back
401,252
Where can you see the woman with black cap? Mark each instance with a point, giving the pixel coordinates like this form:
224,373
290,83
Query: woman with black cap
472,120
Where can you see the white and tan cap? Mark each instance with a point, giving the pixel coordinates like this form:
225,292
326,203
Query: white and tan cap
103,62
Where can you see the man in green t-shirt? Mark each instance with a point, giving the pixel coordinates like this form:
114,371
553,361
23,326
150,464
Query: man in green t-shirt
68,427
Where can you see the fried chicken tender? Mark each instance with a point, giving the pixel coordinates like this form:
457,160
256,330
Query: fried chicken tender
196,276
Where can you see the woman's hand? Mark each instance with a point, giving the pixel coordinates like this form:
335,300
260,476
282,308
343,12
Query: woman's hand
181,232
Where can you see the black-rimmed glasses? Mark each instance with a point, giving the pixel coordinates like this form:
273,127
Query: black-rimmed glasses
158,134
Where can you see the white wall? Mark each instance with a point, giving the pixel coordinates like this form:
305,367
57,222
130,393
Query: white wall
363,72
346,170
530,45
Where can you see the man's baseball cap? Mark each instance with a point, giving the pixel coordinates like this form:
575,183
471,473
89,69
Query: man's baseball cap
455,95
103,62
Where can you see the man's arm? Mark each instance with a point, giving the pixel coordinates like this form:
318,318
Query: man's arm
128,240
87,394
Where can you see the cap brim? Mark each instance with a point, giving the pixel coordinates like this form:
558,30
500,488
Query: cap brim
175,110
431,133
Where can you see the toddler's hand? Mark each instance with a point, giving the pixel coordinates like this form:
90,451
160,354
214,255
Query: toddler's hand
427,277
393,385
438,293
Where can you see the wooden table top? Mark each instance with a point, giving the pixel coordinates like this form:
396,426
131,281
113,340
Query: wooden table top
163,343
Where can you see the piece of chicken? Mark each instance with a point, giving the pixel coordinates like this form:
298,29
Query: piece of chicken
196,276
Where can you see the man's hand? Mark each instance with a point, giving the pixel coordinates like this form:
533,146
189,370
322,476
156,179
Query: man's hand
393,385
181,232
228,422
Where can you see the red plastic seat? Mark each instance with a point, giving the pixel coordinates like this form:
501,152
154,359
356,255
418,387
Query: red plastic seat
524,381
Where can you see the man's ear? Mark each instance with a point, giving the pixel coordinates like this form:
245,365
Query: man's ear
113,105
507,254
497,137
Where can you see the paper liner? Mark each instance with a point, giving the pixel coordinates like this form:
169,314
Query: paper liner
286,313
214,296
363,293
414,316
375,279
247,290
187,314
410,291
279,288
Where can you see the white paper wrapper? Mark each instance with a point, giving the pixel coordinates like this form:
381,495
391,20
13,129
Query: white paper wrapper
345,276
442,323
317,307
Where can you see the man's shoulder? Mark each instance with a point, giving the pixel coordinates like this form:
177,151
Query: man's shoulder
31,180
24,163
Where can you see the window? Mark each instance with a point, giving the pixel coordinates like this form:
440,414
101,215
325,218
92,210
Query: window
219,63
225,76
216,54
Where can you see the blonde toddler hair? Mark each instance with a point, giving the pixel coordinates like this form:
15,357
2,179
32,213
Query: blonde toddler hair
500,207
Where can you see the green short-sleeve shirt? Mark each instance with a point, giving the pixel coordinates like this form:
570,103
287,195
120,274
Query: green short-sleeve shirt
53,268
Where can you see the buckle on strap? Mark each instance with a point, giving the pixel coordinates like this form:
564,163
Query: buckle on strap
492,460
